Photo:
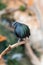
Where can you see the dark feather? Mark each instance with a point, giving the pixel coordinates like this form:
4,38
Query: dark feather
21,30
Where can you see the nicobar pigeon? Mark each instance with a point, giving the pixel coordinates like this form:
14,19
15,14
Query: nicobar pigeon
21,30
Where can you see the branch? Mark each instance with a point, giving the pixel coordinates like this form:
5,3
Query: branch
10,47
34,59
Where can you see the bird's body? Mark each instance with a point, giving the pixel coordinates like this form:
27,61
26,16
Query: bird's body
21,30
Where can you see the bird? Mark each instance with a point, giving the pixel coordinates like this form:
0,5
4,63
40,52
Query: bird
21,30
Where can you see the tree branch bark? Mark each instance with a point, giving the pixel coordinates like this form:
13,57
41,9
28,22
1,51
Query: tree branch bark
34,59
10,47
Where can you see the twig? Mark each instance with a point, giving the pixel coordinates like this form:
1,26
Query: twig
11,47
34,59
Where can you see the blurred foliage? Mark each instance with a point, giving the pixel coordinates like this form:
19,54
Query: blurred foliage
22,8
12,62
3,45
18,49
4,16
11,38
2,6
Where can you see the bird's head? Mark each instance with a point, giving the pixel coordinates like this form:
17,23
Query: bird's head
14,24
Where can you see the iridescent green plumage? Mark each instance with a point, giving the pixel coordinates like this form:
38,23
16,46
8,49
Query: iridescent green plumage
21,30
